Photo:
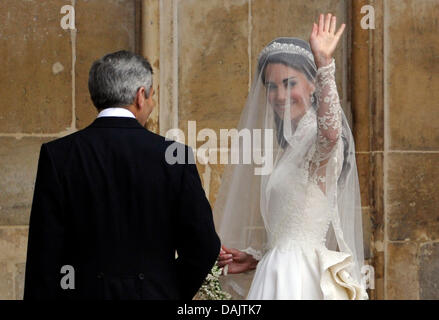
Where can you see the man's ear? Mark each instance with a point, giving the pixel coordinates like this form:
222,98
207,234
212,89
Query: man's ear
140,97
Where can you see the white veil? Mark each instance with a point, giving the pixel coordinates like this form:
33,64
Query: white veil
316,144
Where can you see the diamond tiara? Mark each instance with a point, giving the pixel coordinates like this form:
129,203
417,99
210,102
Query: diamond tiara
276,47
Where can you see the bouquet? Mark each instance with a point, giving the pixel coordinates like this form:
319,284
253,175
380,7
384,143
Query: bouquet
211,287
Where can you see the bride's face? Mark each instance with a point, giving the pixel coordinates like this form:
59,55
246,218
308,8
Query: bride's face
283,82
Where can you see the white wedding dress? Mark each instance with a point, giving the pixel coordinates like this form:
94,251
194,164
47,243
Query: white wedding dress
297,265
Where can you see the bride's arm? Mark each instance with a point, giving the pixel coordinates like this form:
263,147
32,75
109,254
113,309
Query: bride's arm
329,113
323,41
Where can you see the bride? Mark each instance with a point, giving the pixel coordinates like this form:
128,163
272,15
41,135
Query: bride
299,226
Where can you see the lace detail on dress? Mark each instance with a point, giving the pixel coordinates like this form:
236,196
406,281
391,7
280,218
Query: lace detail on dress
329,122
255,253
329,112
307,225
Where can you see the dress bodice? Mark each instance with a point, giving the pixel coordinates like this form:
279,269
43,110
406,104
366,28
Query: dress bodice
298,212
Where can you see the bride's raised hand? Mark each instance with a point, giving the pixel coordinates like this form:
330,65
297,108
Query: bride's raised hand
323,39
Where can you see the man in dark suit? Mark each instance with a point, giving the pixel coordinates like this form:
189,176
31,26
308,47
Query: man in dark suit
109,211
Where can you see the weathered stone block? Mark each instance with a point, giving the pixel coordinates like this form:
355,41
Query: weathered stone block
215,181
363,167
413,52
35,86
379,290
379,265
6,282
13,244
412,197
402,271
18,168
13,247
213,62
102,27
20,269
150,48
428,271
210,175
367,232
376,199
377,62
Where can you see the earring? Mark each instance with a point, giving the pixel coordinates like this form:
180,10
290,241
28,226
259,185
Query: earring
312,99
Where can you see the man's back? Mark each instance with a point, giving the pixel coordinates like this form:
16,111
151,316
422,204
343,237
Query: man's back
108,204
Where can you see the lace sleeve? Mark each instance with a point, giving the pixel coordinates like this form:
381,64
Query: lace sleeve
255,253
329,114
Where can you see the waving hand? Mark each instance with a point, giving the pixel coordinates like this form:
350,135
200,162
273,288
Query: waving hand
324,39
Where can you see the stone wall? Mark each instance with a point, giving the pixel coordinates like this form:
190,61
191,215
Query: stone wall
395,124
411,149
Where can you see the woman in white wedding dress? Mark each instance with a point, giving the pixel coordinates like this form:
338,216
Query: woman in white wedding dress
299,225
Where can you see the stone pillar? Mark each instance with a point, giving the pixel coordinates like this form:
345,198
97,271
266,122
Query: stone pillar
376,130
150,49
366,62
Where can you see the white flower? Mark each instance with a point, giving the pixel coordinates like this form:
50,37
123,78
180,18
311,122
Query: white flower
211,288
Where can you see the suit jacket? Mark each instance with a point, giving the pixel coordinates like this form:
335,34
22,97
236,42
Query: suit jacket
107,203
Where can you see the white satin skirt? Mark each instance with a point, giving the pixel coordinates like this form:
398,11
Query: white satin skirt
303,272
287,275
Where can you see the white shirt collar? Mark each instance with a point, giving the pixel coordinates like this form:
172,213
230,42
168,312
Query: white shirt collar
116,112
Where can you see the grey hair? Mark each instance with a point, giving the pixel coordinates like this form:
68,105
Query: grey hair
115,79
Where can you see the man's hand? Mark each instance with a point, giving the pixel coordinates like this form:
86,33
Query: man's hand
323,39
237,261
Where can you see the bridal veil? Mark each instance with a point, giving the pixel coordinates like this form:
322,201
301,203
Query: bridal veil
293,122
